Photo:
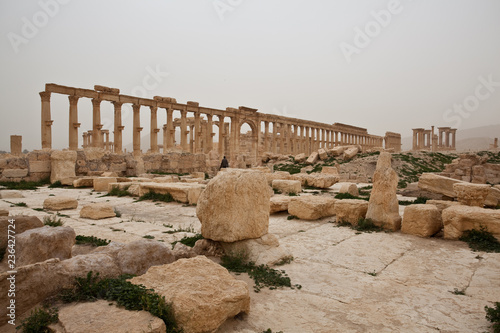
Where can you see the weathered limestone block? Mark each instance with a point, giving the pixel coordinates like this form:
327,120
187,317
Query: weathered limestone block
22,224
62,165
300,158
458,219
319,180
261,169
311,207
323,155
493,198
84,182
40,244
333,170
181,251
11,194
471,194
136,257
97,211
438,184
39,166
279,203
181,192
350,210
234,206
14,173
166,179
442,204
287,186
265,250
421,220
99,316
4,212
350,153
313,158
60,203
207,247
101,183
217,296
337,151
383,208
282,175
350,188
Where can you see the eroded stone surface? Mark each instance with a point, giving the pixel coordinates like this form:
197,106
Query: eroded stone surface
97,211
60,203
350,210
311,207
458,219
421,220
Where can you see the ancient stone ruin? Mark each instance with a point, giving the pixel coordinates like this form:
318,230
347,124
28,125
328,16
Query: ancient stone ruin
424,139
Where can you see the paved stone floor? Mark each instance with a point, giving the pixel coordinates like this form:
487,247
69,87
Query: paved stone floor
351,282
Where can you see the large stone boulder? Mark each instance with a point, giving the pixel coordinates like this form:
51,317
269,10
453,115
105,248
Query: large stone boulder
383,208
350,153
101,183
235,206
203,293
40,244
11,194
421,220
442,204
438,184
180,192
265,250
62,164
337,151
279,203
318,180
136,257
493,198
311,207
277,175
97,211
287,186
471,194
333,170
60,203
300,158
313,158
21,222
84,182
349,188
99,316
458,219
323,155
350,210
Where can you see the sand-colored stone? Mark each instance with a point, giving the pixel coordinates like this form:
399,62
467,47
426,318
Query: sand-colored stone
203,293
181,192
334,170
40,244
300,158
11,194
22,223
458,219
383,208
350,210
278,175
349,153
234,206
337,151
287,186
14,173
438,184
97,211
349,188
319,180
208,247
109,174
313,158
99,316
166,179
181,251
265,250
84,182
4,212
136,257
279,203
421,220
62,164
323,155
442,204
101,183
311,207
60,203
471,194
493,198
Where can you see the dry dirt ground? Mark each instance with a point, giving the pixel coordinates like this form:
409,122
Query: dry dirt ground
369,282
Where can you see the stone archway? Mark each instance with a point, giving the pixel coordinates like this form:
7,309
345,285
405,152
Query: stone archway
248,142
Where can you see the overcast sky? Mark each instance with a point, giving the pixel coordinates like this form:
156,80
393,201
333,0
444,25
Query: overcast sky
382,65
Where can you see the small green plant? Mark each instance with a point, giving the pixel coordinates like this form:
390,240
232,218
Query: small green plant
148,237
292,194
56,184
291,217
62,215
39,320
24,185
52,221
20,204
188,240
276,191
285,261
349,196
167,197
493,316
117,212
457,291
188,229
270,331
364,225
118,192
419,200
374,273
481,240
168,225
91,240
262,275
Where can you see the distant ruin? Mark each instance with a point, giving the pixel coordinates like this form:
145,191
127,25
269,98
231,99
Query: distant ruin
288,135
426,139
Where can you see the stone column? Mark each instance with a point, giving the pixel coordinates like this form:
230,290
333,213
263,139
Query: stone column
106,139
282,138
273,140
46,121
233,135
169,135
447,139
453,139
308,141
191,139
266,133
153,134
184,144
221,135
73,122
165,137
197,134
209,134
96,123
16,145
118,128
136,134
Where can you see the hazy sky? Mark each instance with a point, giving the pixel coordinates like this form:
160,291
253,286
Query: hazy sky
383,65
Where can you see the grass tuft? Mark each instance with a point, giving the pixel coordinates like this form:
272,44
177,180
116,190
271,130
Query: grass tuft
39,320
188,240
117,192
52,221
94,241
481,240
167,197
493,316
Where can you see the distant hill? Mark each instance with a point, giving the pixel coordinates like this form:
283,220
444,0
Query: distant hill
477,138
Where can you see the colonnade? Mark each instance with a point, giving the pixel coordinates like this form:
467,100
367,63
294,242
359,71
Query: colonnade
281,134
426,139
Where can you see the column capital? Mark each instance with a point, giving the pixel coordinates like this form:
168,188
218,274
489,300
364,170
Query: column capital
96,102
117,104
136,107
45,95
73,99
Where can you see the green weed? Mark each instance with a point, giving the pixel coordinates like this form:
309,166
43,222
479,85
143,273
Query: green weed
91,240
481,240
39,320
493,316
52,221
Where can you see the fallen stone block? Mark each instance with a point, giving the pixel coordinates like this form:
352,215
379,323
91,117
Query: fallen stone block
84,182
181,192
279,203
62,164
442,204
97,211
421,220
11,194
101,183
22,224
277,175
60,203
350,153
471,194
14,173
349,188
332,170
300,158
350,210
322,154
287,186
318,180
311,207
438,184
313,158
458,219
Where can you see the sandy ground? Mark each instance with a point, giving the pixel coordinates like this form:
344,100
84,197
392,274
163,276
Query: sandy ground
351,282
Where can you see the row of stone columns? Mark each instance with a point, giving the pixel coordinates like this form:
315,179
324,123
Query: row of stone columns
426,139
